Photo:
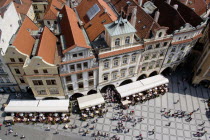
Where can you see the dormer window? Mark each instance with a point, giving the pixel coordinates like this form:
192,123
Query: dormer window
127,40
117,42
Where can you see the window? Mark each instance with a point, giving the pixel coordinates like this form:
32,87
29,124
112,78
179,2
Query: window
1,80
117,42
154,55
91,83
17,71
48,22
150,67
41,92
90,74
94,10
157,45
127,40
51,82
79,66
146,57
80,85
54,91
160,34
149,47
68,78
70,87
125,60
37,82
161,53
85,64
165,43
35,7
157,65
20,59
106,77
133,58
12,59
183,47
79,76
173,49
143,68
80,54
36,71
114,75
169,60
74,55
116,62
1,70
72,68
45,71
123,73
131,71
106,65
7,80
22,80
55,22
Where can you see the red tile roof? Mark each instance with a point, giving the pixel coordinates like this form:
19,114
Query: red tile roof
200,6
118,52
21,8
52,9
47,46
70,29
144,22
95,26
24,42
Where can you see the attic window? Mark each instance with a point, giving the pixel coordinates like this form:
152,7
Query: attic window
93,11
103,21
139,21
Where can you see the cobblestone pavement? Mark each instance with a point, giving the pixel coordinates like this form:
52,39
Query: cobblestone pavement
189,99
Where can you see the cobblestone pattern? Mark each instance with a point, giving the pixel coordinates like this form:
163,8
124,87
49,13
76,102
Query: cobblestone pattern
190,100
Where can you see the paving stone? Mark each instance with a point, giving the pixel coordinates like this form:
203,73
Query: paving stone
180,133
173,131
165,130
187,134
158,122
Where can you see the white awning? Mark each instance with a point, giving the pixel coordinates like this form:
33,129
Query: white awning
142,85
90,100
53,106
22,106
37,106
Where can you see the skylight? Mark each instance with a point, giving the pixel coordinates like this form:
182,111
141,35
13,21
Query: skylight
93,11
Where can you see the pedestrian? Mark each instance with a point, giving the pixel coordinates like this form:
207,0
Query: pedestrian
198,109
201,123
201,129
168,124
0,126
16,134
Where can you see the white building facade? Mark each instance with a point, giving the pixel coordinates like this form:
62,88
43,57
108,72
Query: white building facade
8,27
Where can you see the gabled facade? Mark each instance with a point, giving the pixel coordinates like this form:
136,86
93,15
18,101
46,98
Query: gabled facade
41,70
19,50
78,69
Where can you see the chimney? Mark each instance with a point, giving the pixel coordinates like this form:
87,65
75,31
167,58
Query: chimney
169,2
186,2
157,14
133,18
140,2
175,6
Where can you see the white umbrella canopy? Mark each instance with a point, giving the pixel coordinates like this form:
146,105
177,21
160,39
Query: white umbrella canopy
63,115
21,114
12,114
56,114
40,114
30,114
